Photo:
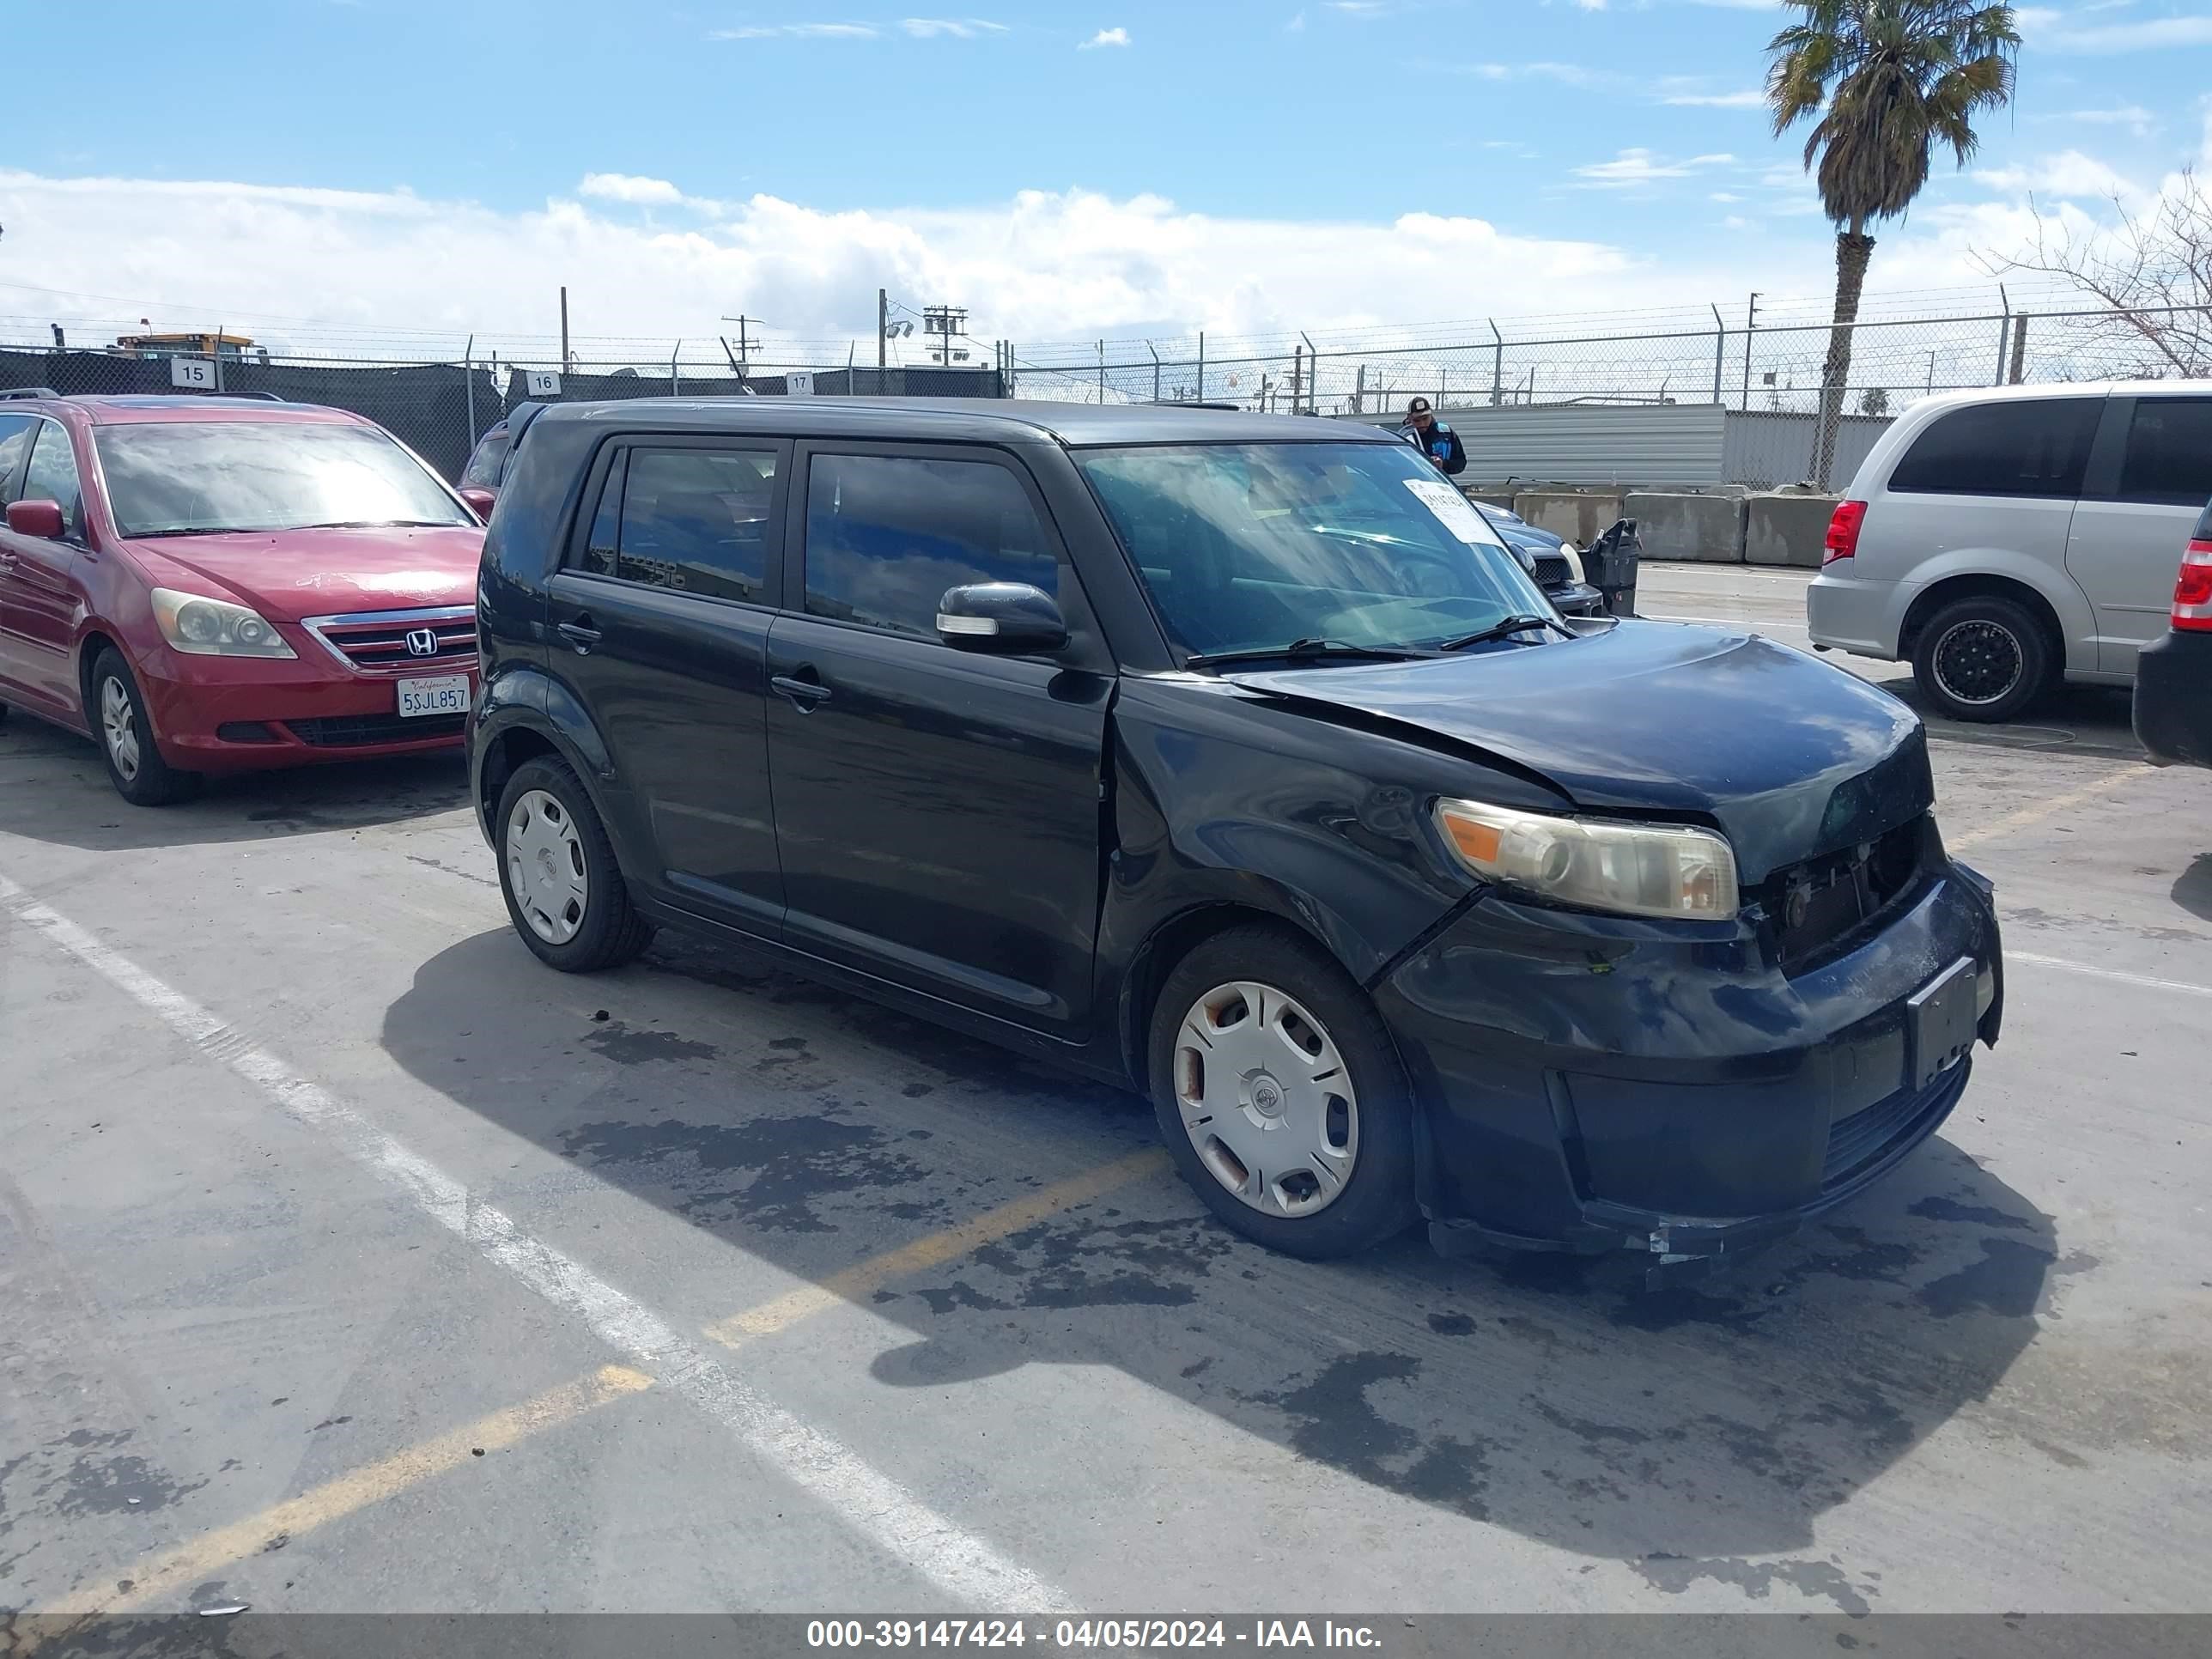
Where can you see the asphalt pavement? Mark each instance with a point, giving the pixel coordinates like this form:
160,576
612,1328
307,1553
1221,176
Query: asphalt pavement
351,1261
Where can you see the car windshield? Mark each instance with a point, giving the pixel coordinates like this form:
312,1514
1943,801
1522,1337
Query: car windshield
1252,548
188,478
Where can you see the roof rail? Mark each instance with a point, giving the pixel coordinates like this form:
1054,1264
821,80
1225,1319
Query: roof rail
29,392
260,397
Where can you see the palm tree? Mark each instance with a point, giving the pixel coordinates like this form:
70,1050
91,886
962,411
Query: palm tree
1889,80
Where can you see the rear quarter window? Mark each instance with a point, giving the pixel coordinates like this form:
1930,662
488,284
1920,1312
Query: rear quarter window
2035,446
2169,453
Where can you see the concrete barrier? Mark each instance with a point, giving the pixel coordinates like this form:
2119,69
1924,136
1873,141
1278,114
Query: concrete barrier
1580,515
1680,526
1781,527
1499,497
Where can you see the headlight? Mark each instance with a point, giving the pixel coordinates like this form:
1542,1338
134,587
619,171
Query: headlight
1629,869
201,627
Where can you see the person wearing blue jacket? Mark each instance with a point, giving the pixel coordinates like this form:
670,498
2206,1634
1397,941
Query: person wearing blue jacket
1422,429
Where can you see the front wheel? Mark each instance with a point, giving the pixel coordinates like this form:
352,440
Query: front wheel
117,719
564,892
1280,1095
1984,659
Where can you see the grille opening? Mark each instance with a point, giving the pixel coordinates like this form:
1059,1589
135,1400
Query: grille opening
355,731
381,644
244,732
1822,907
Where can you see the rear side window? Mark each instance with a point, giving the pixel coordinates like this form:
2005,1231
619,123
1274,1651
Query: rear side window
2031,447
887,534
691,519
482,470
17,432
2169,453
53,476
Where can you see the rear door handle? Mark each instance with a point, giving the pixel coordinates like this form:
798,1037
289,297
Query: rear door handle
578,633
803,693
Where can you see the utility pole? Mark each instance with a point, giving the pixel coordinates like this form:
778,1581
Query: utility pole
945,322
567,367
1750,322
744,346
882,332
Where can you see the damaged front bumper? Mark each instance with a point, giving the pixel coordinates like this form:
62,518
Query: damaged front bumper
1595,1083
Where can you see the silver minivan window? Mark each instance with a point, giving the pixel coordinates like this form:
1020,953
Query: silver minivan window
2020,447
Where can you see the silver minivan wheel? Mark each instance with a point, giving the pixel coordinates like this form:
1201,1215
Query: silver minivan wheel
119,727
1265,1099
1979,660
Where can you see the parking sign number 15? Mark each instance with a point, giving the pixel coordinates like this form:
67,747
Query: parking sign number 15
193,373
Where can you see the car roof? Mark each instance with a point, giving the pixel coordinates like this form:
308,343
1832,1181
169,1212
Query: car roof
981,420
1992,394
140,409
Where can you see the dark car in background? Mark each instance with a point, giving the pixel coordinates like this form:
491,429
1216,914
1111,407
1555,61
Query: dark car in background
208,585
1555,562
488,461
1233,760
2174,675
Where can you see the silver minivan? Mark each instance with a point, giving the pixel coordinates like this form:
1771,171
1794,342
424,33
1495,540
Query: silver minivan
2004,540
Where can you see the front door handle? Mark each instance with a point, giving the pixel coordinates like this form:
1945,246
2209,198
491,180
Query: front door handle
803,693
579,633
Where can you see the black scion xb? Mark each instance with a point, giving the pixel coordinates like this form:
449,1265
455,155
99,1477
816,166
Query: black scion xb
1232,759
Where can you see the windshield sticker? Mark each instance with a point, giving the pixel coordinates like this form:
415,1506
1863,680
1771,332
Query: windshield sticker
1452,511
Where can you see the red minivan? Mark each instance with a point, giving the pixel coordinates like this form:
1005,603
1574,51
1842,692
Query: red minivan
209,585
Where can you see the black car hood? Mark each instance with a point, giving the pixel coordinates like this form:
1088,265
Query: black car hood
1789,757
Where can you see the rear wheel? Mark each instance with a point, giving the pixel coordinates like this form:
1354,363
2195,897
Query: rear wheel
117,718
1280,1095
1984,659
564,892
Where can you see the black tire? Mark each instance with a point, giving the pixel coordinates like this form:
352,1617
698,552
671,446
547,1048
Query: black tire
1984,659
609,931
152,781
1377,1200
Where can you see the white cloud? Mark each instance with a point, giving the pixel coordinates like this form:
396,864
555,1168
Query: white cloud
1591,5
630,187
1572,75
377,266
1749,98
959,28
1732,222
1725,196
2068,175
2134,117
1358,7
1296,24
2041,26
1634,168
1106,37
796,32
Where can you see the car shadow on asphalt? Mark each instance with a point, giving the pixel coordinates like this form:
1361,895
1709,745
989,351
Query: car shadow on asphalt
1681,1431
2192,889
2074,719
54,787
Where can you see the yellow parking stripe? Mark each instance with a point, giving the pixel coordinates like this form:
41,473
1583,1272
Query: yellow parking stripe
202,1557
935,1250
163,1576
2029,815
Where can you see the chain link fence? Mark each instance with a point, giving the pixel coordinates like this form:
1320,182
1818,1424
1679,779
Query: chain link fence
1761,360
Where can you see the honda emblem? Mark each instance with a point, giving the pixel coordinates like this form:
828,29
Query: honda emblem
421,642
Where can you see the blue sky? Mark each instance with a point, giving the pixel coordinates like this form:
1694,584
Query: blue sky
1247,163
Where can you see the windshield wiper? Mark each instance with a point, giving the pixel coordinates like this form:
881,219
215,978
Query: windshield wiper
1308,650
382,524
1499,630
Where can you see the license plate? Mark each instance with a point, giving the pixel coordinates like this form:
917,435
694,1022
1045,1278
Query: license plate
447,694
1941,1017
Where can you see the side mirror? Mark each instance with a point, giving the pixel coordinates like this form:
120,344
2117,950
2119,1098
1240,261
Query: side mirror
39,519
1009,618
479,498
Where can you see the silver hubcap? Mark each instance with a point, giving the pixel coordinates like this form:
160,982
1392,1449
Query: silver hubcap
1978,661
545,867
1265,1099
117,727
